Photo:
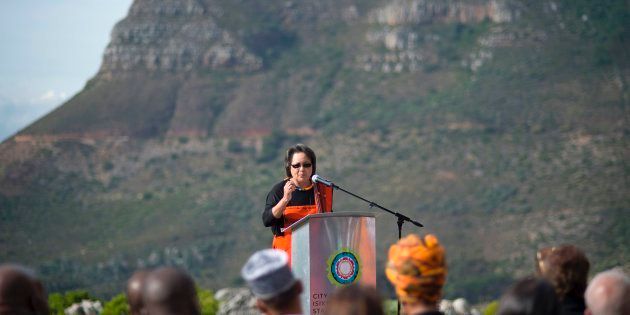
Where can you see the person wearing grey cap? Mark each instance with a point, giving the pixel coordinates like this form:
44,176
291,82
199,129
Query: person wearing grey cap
270,279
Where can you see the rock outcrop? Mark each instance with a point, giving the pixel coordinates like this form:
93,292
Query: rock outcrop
174,36
156,76
395,28
181,36
236,301
405,12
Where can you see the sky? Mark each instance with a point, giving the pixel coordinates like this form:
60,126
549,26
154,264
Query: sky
50,49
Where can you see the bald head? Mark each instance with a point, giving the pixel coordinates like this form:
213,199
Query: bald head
135,285
608,293
21,292
170,291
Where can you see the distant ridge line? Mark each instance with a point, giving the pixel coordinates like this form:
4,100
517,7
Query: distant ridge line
67,136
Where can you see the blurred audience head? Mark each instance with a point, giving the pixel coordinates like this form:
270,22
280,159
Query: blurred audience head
566,267
169,291
608,293
355,299
21,292
270,279
135,285
529,296
416,267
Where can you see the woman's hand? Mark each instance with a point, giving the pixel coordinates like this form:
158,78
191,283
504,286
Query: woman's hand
278,209
289,188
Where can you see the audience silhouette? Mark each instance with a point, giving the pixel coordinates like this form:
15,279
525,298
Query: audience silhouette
566,268
355,299
416,267
608,294
169,291
529,296
21,292
135,285
271,280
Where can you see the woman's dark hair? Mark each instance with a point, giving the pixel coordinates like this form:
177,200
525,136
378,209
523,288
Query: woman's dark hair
566,267
355,299
529,296
299,148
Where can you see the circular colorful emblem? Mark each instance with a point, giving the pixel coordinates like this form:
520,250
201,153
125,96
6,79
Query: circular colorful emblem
343,267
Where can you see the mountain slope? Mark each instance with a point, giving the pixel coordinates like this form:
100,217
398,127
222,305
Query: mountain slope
502,126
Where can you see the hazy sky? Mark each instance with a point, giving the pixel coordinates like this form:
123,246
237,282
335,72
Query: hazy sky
50,48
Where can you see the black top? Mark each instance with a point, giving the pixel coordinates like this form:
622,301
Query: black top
572,305
298,198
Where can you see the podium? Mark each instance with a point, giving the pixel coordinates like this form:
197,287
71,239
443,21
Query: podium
330,250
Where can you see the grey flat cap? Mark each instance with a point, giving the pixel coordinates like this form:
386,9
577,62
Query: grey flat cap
267,273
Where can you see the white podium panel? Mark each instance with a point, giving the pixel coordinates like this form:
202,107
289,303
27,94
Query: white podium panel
330,250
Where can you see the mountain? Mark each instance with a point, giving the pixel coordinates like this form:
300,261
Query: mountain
502,126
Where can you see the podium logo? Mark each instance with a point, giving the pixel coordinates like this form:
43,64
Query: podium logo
344,267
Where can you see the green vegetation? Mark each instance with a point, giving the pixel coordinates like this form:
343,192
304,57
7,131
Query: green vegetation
491,308
390,307
118,304
603,23
59,302
209,305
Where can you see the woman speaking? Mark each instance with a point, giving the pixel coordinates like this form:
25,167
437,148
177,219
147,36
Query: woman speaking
296,196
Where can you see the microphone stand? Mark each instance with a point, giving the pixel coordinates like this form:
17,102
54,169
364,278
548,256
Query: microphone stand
401,217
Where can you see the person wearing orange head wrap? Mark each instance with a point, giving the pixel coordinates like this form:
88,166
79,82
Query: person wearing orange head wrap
416,267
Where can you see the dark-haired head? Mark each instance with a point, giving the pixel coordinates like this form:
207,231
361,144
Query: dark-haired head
566,267
355,299
530,296
299,148
135,285
168,290
21,292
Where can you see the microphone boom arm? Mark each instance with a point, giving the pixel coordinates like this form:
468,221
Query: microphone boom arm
401,217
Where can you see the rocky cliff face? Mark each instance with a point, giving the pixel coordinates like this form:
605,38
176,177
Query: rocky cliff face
405,12
182,43
174,36
397,26
182,36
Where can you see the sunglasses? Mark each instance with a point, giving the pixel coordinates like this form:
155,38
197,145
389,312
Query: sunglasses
298,165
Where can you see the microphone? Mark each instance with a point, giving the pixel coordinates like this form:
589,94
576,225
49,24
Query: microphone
318,179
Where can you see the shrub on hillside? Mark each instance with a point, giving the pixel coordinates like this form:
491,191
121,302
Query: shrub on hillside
116,306
59,302
209,305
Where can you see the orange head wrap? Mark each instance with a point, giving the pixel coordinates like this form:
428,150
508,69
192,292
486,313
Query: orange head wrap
417,268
